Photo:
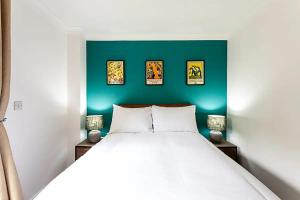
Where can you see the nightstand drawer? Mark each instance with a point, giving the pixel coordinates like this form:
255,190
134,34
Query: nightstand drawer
82,148
230,151
80,151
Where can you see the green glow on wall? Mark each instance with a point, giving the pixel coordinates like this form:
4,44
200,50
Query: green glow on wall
210,98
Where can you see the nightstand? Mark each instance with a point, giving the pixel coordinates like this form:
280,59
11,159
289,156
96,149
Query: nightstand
229,149
82,148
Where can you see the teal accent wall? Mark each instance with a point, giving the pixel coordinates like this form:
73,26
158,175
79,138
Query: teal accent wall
210,98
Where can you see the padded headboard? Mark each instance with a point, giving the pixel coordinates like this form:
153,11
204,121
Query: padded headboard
146,105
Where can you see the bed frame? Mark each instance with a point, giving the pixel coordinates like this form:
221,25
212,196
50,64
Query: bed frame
146,105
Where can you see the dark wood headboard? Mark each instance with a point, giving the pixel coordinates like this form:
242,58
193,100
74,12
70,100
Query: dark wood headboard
146,105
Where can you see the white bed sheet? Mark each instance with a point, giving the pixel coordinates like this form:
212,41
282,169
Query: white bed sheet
164,166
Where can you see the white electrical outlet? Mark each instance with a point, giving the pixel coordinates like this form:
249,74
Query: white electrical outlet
18,105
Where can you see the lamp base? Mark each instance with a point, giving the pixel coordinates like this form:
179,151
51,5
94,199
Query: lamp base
94,136
216,137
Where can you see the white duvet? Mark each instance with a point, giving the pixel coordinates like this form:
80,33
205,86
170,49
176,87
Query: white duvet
155,166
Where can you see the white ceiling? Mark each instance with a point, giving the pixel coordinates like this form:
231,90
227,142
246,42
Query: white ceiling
154,19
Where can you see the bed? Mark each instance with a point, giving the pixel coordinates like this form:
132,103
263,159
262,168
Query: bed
149,166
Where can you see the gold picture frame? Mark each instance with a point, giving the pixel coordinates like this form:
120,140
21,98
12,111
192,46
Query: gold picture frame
195,72
115,72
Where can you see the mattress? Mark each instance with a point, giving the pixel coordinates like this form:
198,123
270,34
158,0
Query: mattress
155,166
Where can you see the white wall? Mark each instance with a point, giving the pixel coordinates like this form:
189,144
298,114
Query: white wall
264,96
39,133
76,88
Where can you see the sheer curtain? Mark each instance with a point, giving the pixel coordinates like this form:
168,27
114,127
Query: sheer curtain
10,188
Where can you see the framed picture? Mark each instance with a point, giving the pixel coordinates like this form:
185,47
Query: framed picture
154,72
115,72
195,72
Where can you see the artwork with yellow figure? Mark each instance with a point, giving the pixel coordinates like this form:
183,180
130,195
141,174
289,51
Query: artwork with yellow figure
154,72
115,72
195,72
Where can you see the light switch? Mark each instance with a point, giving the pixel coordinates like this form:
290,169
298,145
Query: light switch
18,105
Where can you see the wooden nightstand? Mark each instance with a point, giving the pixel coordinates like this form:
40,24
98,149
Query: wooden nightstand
82,148
229,149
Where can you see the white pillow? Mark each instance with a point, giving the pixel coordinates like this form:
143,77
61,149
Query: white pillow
131,119
175,119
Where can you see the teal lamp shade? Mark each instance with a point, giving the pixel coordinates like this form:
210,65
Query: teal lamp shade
94,122
216,122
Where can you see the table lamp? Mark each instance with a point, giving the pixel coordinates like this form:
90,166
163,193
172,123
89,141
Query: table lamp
216,123
93,124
